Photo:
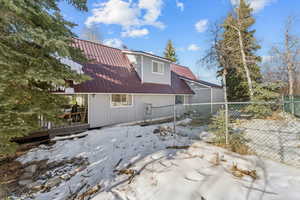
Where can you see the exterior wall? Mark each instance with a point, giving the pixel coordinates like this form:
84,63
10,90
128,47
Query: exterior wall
202,93
205,94
187,99
101,113
136,61
143,66
139,66
203,97
150,77
218,95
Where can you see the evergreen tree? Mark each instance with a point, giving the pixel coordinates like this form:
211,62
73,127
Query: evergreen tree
170,52
242,52
34,36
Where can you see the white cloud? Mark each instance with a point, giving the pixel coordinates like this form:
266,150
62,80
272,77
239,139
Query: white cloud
180,5
113,42
128,14
114,12
257,5
153,11
201,25
193,47
135,33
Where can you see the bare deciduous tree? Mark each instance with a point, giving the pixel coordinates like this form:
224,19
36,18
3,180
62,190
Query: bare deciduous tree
286,57
218,57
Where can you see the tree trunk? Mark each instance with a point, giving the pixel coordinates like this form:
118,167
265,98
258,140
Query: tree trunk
226,104
290,69
245,65
290,66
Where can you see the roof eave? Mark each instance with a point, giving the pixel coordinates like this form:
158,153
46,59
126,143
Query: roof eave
146,54
197,82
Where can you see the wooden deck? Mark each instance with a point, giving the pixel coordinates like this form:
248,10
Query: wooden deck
47,134
68,130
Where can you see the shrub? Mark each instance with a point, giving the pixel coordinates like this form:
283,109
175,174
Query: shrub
266,92
236,140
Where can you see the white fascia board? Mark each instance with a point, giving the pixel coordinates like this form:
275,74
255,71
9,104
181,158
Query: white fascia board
118,93
142,69
146,54
195,82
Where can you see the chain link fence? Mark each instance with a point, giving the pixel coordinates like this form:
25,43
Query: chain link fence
292,105
265,129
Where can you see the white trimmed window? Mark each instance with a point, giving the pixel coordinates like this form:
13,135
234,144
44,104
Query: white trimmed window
119,100
179,99
158,67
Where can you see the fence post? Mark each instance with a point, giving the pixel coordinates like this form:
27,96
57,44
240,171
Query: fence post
174,119
284,110
211,100
293,105
226,123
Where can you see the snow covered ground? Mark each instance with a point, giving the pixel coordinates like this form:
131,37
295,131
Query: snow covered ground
199,172
194,175
275,139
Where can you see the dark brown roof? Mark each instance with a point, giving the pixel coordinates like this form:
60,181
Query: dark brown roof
183,71
111,72
186,73
99,53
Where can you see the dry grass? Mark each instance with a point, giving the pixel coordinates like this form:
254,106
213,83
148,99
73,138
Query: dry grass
125,171
276,116
199,122
177,147
90,192
240,148
240,172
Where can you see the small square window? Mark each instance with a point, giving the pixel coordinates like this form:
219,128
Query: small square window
121,100
158,67
155,67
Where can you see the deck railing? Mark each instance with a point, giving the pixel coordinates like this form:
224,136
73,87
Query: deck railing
68,118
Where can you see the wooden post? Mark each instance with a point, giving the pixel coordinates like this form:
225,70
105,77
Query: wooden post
211,100
293,104
174,116
226,123
226,105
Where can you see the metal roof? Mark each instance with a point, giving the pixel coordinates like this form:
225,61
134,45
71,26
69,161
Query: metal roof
186,74
99,53
111,72
183,71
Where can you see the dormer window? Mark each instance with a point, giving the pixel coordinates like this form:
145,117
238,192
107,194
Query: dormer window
158,67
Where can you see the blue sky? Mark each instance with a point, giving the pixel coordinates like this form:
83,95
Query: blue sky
147,24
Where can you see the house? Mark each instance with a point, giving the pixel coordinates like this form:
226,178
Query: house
125,84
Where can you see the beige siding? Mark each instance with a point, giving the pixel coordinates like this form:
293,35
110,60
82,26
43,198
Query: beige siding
203,98
138,65
149,77
205,94
218,95
101,113
202,95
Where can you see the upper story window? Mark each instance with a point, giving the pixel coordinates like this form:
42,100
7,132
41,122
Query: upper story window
158,67
121,100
